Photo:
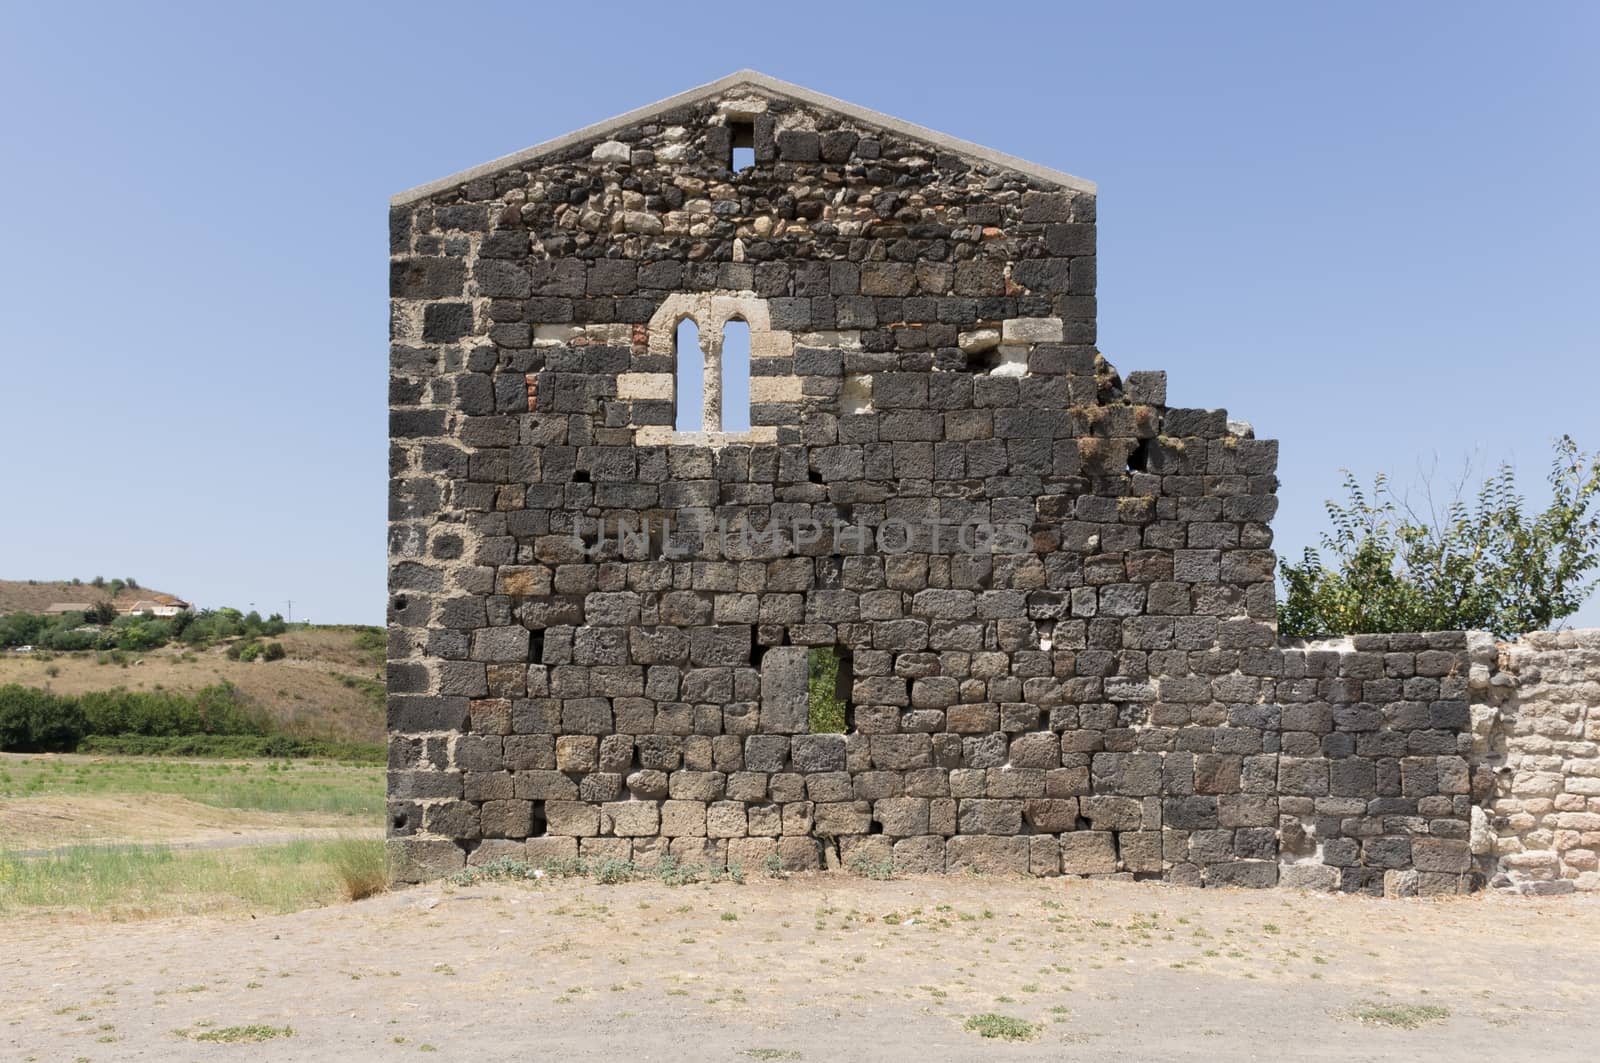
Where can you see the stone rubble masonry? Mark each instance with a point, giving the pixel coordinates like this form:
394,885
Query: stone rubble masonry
1104,694
1536,775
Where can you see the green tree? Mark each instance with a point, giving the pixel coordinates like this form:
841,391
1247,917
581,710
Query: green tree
1487,565
101,613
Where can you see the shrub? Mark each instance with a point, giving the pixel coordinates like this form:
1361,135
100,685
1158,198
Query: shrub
233,746
828,711
274,651
1488,565
360,867
37,721
1001,1027
68,640
23,629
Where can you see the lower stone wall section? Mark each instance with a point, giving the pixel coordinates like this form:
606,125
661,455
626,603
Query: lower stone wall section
1537,761
1374,787
1334,766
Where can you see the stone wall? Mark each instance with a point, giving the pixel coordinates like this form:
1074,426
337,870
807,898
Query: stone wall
1373,785
1053,589
1537,761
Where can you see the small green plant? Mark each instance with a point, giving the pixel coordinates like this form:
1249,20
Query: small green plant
825,688
1000,1027
1403,1016
770,1053
610,871
229,1035
878,871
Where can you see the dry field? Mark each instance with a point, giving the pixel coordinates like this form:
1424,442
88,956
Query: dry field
820,967
119,838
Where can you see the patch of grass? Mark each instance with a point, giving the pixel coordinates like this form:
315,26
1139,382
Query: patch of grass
770,1053
360,867
137,881
1403,1016
230,1035
609,871
1000,1027
879,871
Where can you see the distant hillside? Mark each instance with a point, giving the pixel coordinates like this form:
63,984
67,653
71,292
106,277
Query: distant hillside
328,685
35,596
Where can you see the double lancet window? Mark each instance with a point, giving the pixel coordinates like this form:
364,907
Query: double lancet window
712,376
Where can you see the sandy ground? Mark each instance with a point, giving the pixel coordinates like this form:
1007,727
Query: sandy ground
816,968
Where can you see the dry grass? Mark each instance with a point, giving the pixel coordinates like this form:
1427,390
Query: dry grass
137,882
35,596
154,818
360,868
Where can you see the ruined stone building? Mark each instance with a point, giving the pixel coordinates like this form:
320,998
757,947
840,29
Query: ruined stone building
1048,589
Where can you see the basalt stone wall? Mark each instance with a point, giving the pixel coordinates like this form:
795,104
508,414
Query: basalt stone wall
1373,782
1052,591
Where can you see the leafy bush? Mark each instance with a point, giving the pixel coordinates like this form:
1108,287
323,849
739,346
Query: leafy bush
216,710
828,711
1489,565
214,722
245,651
37,721
233,746
274,651
23,629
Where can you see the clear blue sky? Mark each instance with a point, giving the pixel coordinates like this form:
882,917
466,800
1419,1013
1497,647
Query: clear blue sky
1370,229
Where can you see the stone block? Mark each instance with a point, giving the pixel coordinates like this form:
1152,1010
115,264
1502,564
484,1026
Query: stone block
989,855
785,701
1088,852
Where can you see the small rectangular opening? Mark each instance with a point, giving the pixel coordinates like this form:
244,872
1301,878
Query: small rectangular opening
828,689
743,136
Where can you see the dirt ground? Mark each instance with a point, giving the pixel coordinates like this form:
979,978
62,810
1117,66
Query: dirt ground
816,968
34,823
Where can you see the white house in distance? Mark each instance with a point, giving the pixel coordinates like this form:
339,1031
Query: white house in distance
160,605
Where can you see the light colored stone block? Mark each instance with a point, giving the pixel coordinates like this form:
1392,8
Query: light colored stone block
1032,330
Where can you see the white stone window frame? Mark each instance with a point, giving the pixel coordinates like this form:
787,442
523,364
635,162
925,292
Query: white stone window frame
711,312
